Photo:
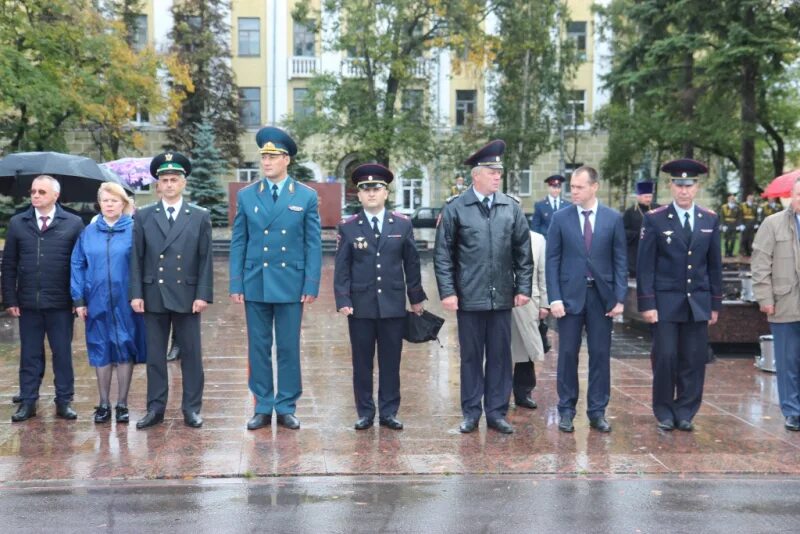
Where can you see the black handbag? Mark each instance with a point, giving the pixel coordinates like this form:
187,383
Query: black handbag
422,328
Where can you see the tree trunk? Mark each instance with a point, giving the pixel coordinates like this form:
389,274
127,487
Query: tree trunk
749,116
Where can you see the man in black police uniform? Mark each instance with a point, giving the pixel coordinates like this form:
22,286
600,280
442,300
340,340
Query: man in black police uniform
679,286
172,283
632,220
544,209
375,249
484,267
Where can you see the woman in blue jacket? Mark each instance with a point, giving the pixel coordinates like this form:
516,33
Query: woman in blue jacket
114,334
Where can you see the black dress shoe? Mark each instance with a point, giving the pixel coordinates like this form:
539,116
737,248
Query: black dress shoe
501,425
288,420
65,411
192,419
526,402
792,423
565,425
600,424
668,425
174,353
150,419
16,399
685,425
121,413
391,421
259,420
364,423
102,413
468,425
24,412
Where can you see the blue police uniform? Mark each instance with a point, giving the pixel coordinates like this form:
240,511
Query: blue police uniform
373,275
543,210
679,274
275,259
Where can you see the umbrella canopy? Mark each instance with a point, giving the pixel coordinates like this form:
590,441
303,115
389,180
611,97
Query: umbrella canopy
80,177
133,171
111,176
781,187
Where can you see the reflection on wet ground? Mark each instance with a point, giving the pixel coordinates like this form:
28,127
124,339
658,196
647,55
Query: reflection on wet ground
739,428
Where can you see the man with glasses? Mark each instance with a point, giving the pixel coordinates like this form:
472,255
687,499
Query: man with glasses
35,288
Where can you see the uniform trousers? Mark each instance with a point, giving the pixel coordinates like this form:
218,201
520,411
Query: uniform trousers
187,334
680,353
786,337
57,324
387,334
485,333
286,319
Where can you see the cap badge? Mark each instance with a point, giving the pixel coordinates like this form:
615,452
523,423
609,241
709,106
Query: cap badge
684,175
168,156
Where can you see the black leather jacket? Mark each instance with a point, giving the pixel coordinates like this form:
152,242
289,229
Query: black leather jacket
485,261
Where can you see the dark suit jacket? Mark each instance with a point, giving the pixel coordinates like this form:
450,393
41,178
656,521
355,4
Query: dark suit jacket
672,275
373,276
543,214
171,267
568,262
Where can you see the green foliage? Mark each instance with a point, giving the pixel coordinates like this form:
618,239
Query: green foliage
199,38
208,166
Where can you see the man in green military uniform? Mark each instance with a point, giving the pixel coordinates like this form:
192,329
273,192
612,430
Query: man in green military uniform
730,221
770,207
749,212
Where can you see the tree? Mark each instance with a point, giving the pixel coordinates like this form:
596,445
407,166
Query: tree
207,167
200,40
533,68
377,107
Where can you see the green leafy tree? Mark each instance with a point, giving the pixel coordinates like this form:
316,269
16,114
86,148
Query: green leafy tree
200,40
208,166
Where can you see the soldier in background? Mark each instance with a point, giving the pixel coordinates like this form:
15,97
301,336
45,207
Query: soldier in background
730,215
748,225
770,207
459,187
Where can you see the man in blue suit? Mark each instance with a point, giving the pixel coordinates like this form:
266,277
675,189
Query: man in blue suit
377,264
679,289
275,265
544,209
587,281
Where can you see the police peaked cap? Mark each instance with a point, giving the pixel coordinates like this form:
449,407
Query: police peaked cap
370,174
491,155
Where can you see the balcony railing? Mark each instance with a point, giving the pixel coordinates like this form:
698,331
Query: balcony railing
303,66
353,67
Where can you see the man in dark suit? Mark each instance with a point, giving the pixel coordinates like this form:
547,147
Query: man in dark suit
679,287
544,209
484,267
275,265
632,220
377,263
586,284
172,284
35,288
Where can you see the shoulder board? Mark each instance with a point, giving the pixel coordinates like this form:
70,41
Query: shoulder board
195,206
449,200
658,210
350,218
400,215
306,186
248,186
514,198
706,210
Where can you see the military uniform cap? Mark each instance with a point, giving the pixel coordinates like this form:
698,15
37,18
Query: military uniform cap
170,162
645,187
491,155
271,140
555,179
684,171
371,175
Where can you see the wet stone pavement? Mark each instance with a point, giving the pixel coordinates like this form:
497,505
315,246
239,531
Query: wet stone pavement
739,429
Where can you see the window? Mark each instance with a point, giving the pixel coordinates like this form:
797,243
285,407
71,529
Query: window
303,105
576,106
412,102
248,173
524,183
412,193
576,31
465,106
304,38
141,115
138,32
250,106
249,36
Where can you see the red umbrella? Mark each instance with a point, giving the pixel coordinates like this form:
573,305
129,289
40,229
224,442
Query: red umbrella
781,186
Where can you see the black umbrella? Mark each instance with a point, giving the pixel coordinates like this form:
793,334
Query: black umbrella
80,177
421,328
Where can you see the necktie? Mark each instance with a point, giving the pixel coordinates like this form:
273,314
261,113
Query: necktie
375,228
587,236
486,205
44,219
171,216
687,228
274,193
555,205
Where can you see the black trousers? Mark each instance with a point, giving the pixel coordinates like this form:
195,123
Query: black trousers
680,352
485,334
57,325
187,333
524,379
730,240
387,334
